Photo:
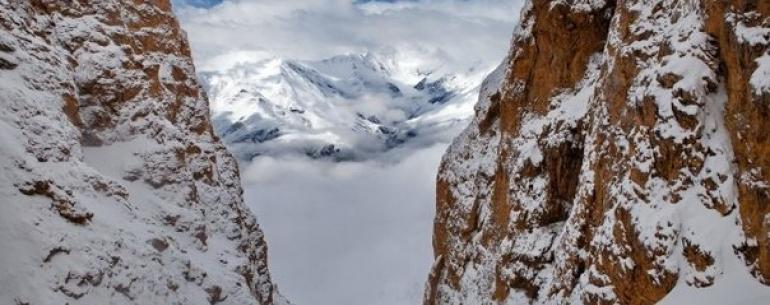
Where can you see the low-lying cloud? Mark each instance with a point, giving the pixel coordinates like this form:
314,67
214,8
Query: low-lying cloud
350,233
347,233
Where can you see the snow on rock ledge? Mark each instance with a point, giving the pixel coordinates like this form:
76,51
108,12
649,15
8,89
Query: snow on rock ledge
113,188
621,158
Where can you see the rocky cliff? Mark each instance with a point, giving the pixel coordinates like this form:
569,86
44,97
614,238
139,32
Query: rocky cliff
619,155
113,188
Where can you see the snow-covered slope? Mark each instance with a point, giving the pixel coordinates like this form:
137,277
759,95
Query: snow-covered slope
345,107
113,188
620,155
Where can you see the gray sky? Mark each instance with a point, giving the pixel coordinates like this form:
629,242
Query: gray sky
461,32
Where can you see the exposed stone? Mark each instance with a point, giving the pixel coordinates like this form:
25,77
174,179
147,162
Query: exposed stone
607,120
107,153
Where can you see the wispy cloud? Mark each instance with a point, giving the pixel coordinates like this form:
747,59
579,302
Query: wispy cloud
463,31
195,3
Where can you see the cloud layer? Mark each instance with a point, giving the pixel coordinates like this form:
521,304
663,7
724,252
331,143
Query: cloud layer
347,233
463,32
351,233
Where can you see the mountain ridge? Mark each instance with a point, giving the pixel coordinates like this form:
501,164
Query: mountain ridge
346,107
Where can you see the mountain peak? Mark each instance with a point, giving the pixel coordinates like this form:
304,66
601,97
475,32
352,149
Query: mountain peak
352,102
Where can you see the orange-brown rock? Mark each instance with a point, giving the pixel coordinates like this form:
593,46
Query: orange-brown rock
619,155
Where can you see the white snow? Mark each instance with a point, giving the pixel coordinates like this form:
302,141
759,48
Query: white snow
754,36
685,206
760,79
363,104
151,213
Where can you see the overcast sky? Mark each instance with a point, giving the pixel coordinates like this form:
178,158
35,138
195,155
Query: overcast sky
462,32
349,233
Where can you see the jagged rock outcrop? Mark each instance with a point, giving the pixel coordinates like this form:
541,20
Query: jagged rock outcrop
113,187
619,155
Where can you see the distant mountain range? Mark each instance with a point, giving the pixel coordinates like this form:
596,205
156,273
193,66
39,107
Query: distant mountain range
347,107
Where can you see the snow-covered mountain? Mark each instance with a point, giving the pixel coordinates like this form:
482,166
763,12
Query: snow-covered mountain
344,107
620,155
113,187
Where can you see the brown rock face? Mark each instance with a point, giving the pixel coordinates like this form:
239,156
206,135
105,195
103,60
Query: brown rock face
113,187
620,152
